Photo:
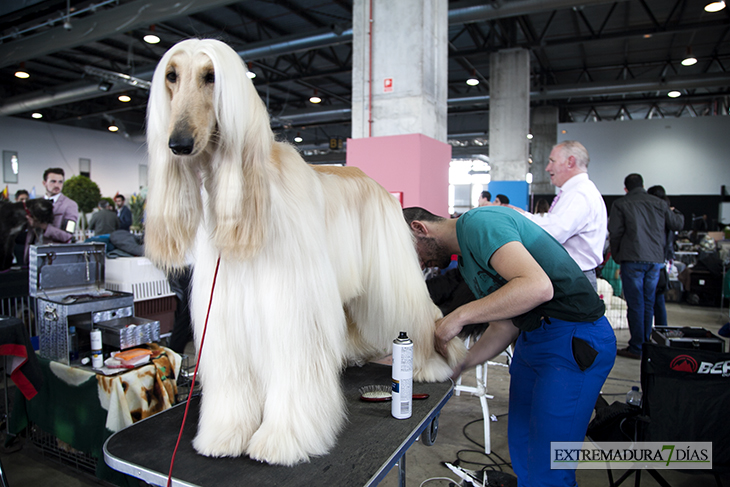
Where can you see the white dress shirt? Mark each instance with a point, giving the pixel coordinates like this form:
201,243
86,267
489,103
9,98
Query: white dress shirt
578,221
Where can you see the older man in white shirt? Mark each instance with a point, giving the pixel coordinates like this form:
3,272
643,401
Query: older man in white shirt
577,217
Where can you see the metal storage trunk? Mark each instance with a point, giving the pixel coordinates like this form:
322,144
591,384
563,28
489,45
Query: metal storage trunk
695,338
68,282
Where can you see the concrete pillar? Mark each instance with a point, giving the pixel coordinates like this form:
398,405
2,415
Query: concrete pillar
509,123
399,98
544,129
407,67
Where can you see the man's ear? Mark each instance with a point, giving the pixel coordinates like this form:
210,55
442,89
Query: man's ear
418,228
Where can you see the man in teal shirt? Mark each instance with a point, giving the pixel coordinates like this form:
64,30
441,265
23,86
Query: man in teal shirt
529,289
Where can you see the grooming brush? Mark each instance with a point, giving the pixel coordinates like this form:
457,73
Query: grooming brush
379,393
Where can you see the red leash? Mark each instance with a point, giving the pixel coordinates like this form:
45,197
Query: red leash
195,374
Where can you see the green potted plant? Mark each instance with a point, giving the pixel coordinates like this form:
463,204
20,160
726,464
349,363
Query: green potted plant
85,193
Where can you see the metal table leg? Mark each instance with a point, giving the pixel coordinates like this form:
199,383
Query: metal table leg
402,470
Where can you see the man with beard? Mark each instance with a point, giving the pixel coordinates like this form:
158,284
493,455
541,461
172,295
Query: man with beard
65,212
528,288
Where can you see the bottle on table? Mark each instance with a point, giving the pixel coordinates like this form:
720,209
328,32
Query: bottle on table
633,397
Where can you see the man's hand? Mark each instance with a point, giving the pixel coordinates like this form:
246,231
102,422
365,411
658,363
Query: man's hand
35,223
447,328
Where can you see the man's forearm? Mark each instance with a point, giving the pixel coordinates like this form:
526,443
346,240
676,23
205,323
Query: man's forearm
496,338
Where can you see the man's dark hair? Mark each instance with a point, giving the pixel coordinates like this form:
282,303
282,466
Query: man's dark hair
54,170
503,199
120,196
415,213
633,181
19,193
659,192
104,204
487,195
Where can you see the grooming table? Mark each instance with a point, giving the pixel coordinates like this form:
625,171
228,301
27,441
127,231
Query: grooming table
371,443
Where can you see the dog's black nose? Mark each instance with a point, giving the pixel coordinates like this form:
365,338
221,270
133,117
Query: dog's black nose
181,146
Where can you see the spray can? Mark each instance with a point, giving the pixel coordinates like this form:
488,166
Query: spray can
97,358
402,385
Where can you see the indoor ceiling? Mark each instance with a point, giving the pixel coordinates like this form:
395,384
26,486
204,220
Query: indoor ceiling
594,60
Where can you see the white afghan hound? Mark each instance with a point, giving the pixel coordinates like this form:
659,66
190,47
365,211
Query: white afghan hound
318,268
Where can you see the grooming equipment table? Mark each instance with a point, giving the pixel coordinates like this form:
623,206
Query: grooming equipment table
371,443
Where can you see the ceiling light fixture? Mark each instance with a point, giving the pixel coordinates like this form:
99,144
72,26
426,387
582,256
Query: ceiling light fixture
315,98
714,6
124,98
689,59
21,72
674,94
113,128
37,115
530,136
105,86
151,37
473,81
250,73
298,138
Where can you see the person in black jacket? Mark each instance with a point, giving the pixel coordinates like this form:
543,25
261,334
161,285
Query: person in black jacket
123,213
637,229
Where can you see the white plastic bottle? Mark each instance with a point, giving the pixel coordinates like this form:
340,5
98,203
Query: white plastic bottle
97,359
402,402
633,397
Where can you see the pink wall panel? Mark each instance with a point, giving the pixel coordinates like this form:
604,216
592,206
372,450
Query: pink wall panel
415,164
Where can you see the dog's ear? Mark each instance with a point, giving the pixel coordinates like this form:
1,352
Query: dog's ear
240,194
174,207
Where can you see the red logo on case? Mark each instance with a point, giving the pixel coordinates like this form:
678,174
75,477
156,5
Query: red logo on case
684,363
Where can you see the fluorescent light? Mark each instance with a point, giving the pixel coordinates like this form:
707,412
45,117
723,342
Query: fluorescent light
151,39
715,6
37,115
21,74
124,98
472,81
674,94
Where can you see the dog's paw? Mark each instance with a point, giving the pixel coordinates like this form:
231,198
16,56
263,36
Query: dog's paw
230,441
279,446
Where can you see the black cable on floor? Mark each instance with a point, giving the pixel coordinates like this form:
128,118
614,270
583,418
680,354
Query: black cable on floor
491,464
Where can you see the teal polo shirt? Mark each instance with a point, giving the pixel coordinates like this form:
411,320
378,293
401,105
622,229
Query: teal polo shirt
482,231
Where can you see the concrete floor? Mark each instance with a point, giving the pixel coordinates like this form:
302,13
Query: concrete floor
26,467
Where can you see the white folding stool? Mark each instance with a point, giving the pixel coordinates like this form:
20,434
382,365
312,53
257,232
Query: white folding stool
481,388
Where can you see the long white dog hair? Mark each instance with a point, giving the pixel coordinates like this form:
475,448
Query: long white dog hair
318,268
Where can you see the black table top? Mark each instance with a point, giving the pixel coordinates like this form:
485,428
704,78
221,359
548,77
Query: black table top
368,447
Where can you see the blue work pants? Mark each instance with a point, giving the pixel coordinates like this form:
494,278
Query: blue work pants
551,398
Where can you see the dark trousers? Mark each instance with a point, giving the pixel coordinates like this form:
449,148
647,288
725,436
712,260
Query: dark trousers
639,280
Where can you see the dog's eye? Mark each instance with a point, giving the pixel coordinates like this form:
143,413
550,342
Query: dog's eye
171,77
210,77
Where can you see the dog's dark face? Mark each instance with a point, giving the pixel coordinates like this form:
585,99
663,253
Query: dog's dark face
12,215
13,220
